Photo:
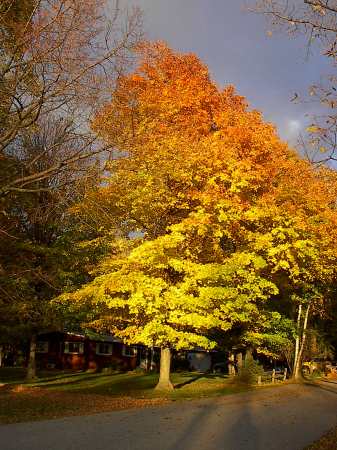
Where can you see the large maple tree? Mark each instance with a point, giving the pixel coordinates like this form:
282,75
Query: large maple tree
226,214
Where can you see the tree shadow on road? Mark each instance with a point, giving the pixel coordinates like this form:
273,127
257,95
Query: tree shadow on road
211,427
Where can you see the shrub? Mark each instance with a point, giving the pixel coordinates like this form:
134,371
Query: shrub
114,366
249,371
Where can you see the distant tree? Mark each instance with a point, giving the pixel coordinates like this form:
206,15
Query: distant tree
60,57
38,255
317,21
58,61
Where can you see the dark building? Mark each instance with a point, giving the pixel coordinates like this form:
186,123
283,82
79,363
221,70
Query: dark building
64,350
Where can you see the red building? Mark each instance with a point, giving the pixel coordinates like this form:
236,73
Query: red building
63,350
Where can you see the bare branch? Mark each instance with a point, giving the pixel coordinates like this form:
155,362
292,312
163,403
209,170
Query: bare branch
62,62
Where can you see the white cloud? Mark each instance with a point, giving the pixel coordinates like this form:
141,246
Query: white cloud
294,126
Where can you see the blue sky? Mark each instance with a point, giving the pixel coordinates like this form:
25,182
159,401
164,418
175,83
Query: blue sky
235,46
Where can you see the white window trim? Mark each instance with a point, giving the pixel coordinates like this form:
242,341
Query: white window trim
104,354
66,348
45,347
129,348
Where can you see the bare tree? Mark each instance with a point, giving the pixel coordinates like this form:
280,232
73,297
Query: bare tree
35,256
60,58
317,21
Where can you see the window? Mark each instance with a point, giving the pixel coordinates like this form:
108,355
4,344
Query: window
129,351
74,347
103,349
42,347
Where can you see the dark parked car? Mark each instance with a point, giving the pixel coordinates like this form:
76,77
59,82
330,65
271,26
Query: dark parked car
220,367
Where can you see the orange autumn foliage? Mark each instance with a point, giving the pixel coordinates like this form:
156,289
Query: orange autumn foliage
184,143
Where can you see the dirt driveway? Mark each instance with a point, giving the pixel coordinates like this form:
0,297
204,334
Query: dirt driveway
285,418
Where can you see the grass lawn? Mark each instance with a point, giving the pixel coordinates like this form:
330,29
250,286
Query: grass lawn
12,375
58,394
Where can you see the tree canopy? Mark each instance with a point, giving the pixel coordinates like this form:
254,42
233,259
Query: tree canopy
229,219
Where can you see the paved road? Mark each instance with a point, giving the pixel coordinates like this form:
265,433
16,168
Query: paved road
285,418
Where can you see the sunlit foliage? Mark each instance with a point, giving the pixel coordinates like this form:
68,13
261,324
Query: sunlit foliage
230,218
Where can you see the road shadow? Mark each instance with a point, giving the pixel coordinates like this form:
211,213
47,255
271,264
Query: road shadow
209,427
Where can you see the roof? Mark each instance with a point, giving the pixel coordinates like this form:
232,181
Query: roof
94,336
89,334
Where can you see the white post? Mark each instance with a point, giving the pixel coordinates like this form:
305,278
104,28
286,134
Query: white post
297,373
297,343
231,367
285,374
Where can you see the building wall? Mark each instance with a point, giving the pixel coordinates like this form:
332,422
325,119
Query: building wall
57,358
199,361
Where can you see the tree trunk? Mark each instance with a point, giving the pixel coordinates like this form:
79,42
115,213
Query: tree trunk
249,354
297,343
239,360
147,361
231,365
152,364
164,382
297,371
31,368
